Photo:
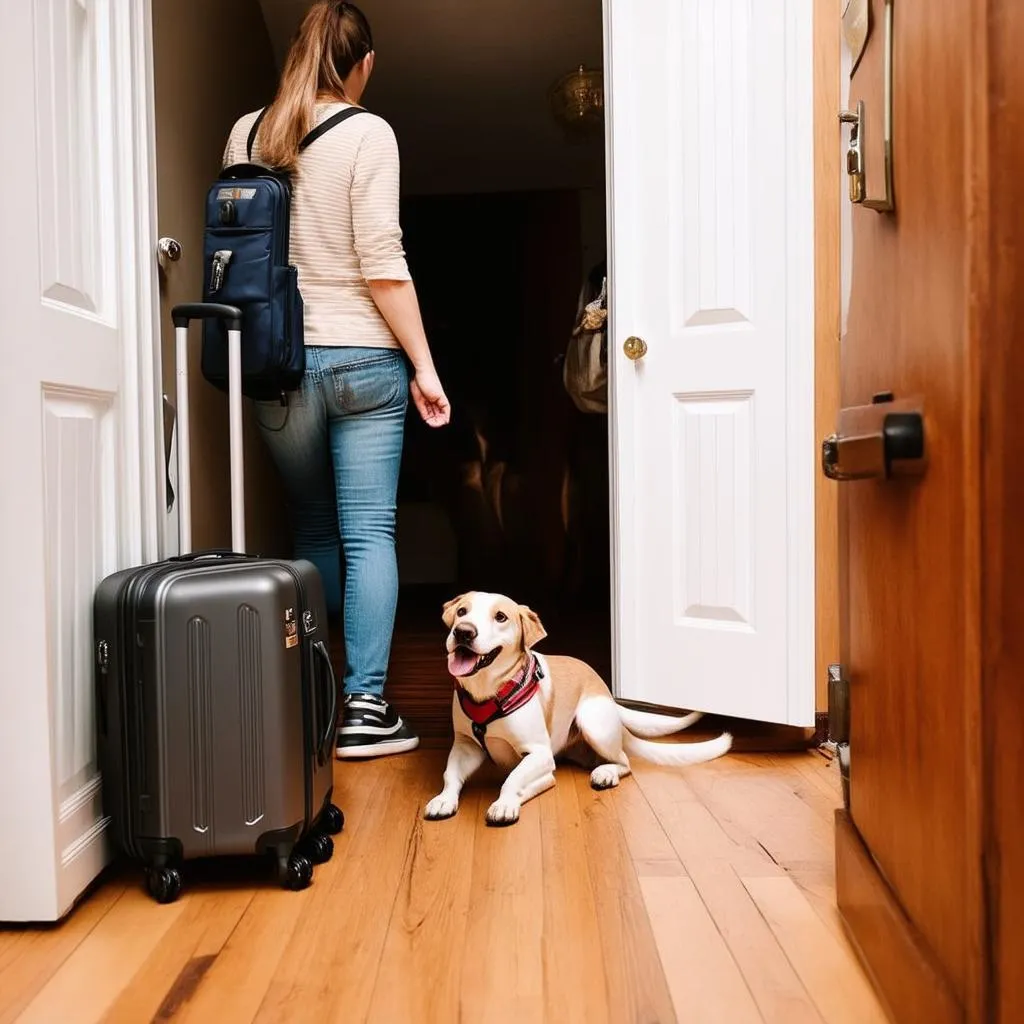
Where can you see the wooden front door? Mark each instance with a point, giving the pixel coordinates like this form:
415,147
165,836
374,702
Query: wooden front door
930,848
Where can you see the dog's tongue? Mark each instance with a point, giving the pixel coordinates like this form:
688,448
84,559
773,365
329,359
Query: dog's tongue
461,662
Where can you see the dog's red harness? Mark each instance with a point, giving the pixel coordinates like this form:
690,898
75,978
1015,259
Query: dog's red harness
512,696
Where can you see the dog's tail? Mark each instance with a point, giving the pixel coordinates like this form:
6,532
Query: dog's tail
651,726
676,755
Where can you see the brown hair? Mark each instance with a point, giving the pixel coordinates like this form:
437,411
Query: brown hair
332,39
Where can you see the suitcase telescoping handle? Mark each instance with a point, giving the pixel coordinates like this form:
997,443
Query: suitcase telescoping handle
183,315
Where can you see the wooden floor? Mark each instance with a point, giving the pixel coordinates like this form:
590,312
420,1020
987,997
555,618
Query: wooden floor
701,895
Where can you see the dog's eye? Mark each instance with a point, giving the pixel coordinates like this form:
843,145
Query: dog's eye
501,617
461,612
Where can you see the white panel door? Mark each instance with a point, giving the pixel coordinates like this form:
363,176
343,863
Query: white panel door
711,191
78,418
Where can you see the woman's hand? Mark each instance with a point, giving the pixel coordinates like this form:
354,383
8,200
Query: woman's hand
429,398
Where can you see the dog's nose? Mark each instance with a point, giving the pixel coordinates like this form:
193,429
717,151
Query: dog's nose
465,634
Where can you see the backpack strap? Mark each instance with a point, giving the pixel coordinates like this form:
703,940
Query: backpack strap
252,132
313,135
326,125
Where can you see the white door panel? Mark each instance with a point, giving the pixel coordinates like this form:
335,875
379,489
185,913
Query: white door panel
79,496
712,265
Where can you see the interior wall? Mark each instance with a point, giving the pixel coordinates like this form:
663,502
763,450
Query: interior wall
212,63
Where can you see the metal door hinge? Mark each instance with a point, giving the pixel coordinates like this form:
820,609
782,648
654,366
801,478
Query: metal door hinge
839,724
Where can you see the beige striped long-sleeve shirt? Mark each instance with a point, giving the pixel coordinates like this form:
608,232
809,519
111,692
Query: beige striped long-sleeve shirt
344,225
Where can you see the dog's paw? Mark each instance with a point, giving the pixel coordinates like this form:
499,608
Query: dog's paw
503,812
604,776
441,807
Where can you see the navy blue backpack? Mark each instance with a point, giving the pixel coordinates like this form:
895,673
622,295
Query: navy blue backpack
245,257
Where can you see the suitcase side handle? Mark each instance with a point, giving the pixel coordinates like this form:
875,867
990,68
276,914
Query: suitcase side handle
185,312
326,679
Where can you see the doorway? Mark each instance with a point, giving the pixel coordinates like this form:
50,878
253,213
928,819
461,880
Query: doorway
504,228
504,223
710,258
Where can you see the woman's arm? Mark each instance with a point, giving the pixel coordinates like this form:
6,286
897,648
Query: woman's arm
398,304
378,241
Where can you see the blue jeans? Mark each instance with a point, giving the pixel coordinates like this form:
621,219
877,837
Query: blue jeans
338,449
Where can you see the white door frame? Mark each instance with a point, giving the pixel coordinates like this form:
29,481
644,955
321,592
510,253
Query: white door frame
145,471
621,432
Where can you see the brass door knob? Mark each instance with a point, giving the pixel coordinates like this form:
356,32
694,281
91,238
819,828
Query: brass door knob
635,348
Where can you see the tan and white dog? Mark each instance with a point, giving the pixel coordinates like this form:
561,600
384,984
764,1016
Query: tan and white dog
523,709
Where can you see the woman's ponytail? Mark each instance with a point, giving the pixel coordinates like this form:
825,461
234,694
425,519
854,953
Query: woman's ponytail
332,39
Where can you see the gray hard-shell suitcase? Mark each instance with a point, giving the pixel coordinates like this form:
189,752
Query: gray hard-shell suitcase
216,697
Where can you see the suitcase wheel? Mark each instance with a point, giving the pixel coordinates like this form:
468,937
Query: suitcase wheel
164,884
296,872
333,820
318,847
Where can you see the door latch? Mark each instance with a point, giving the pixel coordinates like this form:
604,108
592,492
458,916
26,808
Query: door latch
876,441
854,153
881,199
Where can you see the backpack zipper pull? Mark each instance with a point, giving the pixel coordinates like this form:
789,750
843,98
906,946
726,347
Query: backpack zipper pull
221,259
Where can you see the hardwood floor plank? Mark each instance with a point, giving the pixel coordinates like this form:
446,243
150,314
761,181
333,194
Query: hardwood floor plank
571,944
760,801
420,972
635,987
709,857
329,970
806,783
828,968
503,966
276,925
754,800
751,801
706,984
820,771
170,976
29,957
696,833
648,843
233,987
826,767
93,976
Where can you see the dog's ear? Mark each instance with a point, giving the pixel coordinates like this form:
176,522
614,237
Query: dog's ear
533,628
450,608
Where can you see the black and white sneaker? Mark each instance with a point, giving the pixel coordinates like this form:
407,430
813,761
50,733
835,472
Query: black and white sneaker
370,727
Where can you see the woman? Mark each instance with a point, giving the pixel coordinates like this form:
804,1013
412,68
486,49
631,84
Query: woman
338,443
